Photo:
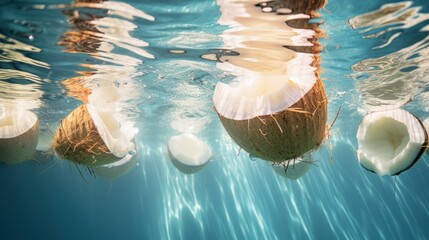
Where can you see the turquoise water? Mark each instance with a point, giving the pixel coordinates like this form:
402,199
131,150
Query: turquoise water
233,196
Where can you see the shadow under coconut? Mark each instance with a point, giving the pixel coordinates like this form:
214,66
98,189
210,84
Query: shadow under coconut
188,153
276,108
294,168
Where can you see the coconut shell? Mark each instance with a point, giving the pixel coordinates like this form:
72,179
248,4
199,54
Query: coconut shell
19,148
78,140
284,135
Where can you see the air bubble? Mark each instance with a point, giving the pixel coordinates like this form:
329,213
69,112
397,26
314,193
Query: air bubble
132,152
267,9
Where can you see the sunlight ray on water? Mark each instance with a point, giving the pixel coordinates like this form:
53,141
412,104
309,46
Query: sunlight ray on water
155,65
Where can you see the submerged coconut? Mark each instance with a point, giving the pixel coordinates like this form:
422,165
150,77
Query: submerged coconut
92,138
282,135
19,133
276,107
188,153
390,142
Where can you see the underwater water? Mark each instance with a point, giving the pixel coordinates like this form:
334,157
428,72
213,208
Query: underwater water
156,65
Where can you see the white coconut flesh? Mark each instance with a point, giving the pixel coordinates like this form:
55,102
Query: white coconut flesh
117,138
261,93
390,141
269,77
16,123
189,149
19,132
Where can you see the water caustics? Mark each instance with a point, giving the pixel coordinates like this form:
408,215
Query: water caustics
152,67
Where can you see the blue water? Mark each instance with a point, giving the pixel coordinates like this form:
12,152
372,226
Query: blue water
233,196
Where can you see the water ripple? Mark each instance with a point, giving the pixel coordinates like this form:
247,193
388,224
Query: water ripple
394,79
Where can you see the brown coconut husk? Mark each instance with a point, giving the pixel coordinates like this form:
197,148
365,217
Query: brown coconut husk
78,140
284,135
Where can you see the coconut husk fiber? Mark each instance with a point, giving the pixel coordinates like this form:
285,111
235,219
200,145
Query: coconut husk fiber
284,135
78,140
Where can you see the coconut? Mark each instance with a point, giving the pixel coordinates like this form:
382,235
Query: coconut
19,133
276,107
390,142
285,134
294,168
188,153
92,138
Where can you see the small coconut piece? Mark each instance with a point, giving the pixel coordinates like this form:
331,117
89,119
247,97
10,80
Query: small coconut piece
117,169
92,138
19,133
285,134
188,153
294,168
390,142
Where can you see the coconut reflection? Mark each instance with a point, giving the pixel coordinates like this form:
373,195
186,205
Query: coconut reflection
100,133
276,107
396,78
19,89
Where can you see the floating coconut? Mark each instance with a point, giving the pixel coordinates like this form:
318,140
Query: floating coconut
274,135
92,138
294,168
276,107
390,142
188,153
19,133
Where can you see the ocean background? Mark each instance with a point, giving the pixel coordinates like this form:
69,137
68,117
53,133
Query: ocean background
234,196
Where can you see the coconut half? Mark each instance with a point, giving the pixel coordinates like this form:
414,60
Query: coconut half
87,136
276,107
390,142
19,133
188,153
282,135
294,168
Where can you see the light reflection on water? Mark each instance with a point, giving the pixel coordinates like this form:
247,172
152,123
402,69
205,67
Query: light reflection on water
163,94
396,78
